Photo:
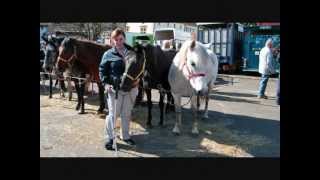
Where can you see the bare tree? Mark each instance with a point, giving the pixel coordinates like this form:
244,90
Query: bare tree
91,31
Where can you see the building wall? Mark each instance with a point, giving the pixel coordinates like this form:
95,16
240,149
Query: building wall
185,27
136,27
151,27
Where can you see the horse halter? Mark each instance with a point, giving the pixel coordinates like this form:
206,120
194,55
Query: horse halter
190,73
142,70
68,61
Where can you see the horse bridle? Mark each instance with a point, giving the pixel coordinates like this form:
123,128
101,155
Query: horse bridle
68,61
142,70
190,73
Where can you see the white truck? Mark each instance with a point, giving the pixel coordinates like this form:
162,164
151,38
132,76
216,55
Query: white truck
178,36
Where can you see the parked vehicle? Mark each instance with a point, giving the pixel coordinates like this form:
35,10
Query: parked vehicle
254,40
224,39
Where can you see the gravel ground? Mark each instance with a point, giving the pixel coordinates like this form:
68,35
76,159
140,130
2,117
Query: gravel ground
239,125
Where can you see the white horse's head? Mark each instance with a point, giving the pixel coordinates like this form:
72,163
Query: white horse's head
198,65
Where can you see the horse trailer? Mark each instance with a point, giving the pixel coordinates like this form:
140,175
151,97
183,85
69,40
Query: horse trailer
254,41
224,40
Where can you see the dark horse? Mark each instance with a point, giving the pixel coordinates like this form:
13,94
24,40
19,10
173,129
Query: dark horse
82,57
155,76
50,57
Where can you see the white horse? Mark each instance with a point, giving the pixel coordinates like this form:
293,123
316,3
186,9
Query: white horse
192,73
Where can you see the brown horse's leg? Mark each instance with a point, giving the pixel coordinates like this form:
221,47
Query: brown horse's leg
148,92
170,103
69,88
76,84
82,89
161,105
62,87
50,86
56,83
101,98
140,94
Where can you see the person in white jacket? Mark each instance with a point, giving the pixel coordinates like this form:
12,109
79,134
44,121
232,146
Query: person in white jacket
265,67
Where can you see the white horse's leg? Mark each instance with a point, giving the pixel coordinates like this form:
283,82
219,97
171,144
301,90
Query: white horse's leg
177,103
195,111
205,115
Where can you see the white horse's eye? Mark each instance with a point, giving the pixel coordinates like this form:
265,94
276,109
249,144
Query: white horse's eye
193,64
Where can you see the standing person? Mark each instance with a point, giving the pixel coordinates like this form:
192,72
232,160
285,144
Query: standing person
265,67
112,67
278,83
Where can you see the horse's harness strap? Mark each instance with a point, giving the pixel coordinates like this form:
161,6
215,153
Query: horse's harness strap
190,74
74,55
142,70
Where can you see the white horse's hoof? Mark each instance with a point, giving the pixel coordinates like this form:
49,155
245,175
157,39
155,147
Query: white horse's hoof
195,131
176,130
205,115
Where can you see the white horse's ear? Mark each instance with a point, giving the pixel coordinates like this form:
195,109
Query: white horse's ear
193,44
183,56
193,38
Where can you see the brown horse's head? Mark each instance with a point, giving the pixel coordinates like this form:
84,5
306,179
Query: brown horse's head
135,64
67,54
51,52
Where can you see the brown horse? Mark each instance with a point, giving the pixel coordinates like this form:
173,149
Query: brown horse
82,57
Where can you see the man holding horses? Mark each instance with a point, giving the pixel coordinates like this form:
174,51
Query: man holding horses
111,69
265,67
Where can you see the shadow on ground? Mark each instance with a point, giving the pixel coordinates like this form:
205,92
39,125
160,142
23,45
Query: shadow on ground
235,94
222,135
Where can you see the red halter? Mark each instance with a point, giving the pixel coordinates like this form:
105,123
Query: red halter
184,59
192,75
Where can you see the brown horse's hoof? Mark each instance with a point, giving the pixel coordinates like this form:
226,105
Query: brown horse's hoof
176,134
161,124
81,112
102,116
99,112
149,126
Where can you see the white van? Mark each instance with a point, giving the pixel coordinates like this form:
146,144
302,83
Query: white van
178,36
